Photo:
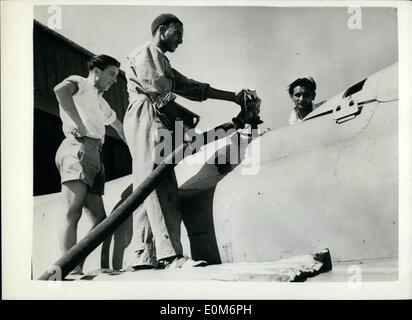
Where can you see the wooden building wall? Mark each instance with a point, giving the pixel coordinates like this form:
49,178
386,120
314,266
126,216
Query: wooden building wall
55,58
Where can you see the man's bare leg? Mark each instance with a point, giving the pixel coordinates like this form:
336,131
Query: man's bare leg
96,213
73,196
94,208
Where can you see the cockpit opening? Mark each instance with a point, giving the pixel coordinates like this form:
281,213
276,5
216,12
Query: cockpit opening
355,88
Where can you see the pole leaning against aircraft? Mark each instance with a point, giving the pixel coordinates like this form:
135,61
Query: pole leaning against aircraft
61,268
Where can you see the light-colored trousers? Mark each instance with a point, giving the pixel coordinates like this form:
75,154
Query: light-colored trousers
157,222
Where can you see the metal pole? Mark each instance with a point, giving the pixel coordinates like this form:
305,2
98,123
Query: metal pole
96,236
61,268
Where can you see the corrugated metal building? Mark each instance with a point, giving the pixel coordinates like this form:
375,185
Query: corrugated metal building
55,58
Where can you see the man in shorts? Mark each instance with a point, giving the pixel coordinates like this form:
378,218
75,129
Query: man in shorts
84,113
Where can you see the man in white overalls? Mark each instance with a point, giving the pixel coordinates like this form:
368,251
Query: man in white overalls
152,84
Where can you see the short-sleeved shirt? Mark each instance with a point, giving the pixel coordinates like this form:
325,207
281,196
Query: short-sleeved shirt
93,109
151,75
294,118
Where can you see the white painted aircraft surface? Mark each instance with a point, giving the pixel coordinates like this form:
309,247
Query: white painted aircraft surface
330,181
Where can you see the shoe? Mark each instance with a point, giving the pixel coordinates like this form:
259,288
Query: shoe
143,267
76,272
163,263
180,262
190,263
137,267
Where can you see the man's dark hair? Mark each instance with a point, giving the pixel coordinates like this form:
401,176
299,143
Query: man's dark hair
308,83
164,20
102,61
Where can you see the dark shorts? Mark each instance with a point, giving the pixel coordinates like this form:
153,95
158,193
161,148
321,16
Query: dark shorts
81,159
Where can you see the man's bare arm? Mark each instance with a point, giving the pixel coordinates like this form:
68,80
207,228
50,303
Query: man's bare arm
64,93
237,98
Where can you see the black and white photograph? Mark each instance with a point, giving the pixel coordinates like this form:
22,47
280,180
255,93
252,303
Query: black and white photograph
210,147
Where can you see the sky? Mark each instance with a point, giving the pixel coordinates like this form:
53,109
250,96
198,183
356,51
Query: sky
261,48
